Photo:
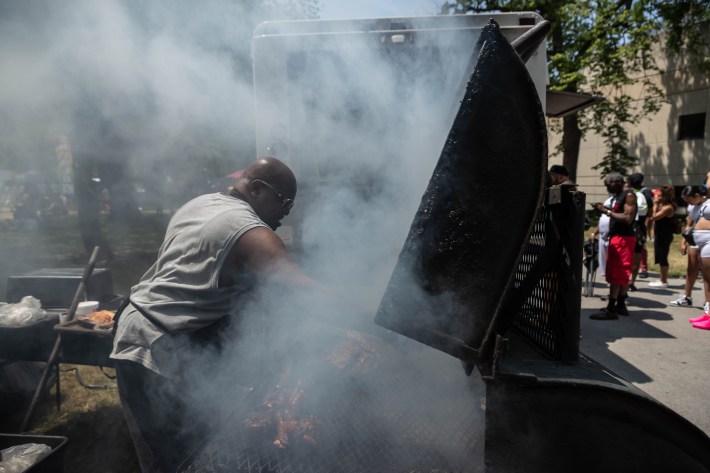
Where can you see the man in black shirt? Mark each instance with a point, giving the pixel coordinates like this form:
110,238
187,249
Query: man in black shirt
622,240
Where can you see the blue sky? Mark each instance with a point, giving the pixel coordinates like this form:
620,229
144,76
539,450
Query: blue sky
332,9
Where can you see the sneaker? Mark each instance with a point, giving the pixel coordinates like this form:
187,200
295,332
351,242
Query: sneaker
703,324
643,274
683,300
622,310
657,284
699,319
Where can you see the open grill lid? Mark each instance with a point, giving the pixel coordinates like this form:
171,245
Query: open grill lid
457,262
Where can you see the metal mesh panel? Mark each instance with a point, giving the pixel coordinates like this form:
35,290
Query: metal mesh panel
397,418
539,318
544,302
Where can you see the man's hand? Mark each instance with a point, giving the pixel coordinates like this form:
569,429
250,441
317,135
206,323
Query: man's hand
599,207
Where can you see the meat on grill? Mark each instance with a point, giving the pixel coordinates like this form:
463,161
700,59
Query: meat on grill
277,416
355,355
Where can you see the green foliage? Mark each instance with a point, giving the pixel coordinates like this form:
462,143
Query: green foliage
600,47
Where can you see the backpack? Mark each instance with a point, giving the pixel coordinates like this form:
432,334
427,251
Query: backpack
648,193
641,204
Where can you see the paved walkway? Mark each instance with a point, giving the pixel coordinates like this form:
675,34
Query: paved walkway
655,348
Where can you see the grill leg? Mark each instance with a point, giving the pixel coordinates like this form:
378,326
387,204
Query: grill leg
58,390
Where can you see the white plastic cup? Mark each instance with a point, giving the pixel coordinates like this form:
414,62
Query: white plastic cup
87,307
64,317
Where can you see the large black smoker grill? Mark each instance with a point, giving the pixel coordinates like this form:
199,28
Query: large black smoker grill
503,296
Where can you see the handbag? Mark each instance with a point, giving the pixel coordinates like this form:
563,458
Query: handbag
688,234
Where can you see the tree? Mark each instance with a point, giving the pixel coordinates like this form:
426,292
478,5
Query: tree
600,47
133,85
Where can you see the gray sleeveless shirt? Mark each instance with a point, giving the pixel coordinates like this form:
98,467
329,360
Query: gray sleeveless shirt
180,293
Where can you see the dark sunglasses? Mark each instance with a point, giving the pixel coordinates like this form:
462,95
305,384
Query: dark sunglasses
286,204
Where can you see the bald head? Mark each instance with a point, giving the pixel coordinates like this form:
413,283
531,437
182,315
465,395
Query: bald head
270,188
272,171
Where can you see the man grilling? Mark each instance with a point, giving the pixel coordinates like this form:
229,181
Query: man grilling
217,249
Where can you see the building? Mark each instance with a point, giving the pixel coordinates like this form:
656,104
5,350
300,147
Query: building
673,145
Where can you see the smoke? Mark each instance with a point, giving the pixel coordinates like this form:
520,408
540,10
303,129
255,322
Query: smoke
368,119
142,82
362,126
383,401
167,87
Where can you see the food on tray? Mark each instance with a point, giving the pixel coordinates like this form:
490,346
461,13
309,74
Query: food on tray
101,317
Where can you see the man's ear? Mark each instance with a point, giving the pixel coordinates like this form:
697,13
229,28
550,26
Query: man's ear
253,188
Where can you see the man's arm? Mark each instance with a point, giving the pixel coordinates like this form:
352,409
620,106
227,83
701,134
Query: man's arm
629,213
262,251
630,208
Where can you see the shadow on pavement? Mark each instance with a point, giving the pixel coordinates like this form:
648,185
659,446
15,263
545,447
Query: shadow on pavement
658,292
644,314
638,302
598,335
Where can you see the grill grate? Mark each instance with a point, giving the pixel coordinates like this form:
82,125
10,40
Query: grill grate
394,419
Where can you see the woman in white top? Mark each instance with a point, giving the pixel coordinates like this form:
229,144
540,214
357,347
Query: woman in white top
701,234
694,196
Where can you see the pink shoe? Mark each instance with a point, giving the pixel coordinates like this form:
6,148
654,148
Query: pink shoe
699,319
705,324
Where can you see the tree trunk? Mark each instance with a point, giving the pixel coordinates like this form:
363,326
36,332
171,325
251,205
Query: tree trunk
571,138
88,206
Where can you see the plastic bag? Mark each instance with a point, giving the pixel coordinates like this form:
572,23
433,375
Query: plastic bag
26,312
19,458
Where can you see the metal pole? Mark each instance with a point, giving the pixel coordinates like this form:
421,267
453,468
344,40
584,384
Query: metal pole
58,342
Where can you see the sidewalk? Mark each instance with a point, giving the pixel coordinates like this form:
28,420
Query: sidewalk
655,348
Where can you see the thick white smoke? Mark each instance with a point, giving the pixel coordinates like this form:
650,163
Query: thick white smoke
137,80
168,85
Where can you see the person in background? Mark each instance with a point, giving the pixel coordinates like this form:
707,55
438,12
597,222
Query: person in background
622,240
643,266
650,228
634,182
560,176
701,234
663,223
695,197
601,234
